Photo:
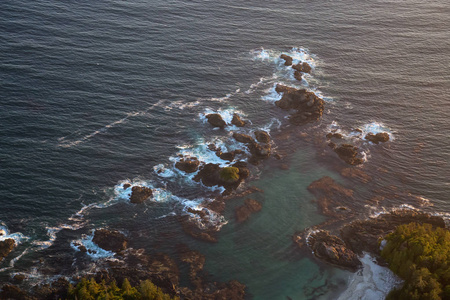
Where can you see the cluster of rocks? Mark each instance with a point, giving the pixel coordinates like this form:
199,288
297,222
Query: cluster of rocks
300,68
307,106
360,236
216,120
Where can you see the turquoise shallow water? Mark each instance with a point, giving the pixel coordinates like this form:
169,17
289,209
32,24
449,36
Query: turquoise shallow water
94,94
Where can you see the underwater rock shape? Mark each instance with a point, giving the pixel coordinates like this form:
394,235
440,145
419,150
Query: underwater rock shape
140,193
287,59
6,246
188,164
250,206
216,120
262,136
377,138
333,250
237,121
110,240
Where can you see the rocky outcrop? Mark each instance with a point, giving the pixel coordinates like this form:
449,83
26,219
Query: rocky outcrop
110,240
140,193
302,67
188,164
334,135
347,153
250,206
237,121
307,106
243,138
210,175
6,246
380,137
333,250
259,152
365,235
262,136
216,120
287,59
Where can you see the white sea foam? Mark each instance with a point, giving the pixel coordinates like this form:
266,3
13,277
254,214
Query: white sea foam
271,95
373,282
18,237
211,220
93,250
52,232
226,114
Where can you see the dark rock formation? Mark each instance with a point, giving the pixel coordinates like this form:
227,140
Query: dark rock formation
287,59
126,185
216,120
348,153
243,138
19,278
333,250
302,67
140,193
262,136
209,175
188,164
308,107
6,246
365,235
298,75
237,121
243,212
377,138
259,152
334,135
13,292
110,240
330,195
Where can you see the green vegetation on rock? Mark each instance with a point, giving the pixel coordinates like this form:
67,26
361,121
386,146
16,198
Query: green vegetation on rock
230,174
91,290
420,254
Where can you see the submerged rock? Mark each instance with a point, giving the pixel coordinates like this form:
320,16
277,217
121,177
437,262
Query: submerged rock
307,105
377,138
140,193
250,206
6,246
237,121
333,250
262,136
216,120
348,153
354,172
110,240
287,59
188,164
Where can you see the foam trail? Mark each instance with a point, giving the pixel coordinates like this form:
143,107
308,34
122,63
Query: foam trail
14,260
63,142
18,237
52,232
372,283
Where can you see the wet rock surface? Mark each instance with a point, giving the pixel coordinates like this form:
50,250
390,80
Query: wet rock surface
210,175
347,153
237,121
243,212
110,240
262,136
307,106
302,67
287,59
216,120
6,246
140,193
333,250
188,164
243,138
380,137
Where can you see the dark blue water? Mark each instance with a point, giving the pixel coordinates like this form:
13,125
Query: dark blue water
95,93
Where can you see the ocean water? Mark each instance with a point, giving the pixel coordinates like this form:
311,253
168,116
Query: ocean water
97,94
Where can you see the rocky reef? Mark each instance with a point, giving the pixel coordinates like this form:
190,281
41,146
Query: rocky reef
6,246
140,193
243,212
110,240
